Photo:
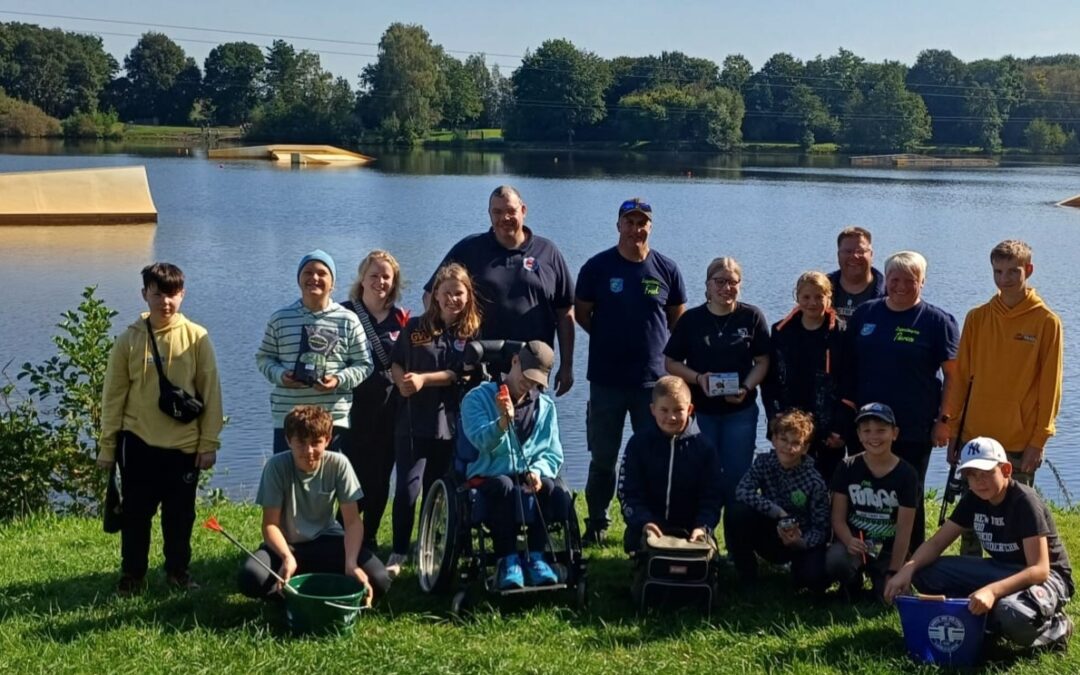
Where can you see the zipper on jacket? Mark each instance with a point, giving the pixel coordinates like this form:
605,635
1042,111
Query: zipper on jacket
670,469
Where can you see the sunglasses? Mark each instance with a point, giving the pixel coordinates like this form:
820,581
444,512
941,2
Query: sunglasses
635,205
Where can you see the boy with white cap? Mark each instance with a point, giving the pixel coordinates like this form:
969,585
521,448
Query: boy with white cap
1027,580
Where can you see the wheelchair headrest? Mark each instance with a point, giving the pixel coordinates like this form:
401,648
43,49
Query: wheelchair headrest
494,353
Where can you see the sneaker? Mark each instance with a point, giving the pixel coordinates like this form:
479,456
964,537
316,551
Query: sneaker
593,536
182,582
538,572
394,564
130,585
1061,629
510,574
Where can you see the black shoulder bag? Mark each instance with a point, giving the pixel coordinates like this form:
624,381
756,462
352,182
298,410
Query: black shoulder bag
173,400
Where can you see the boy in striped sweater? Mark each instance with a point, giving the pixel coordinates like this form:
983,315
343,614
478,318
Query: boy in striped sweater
319,336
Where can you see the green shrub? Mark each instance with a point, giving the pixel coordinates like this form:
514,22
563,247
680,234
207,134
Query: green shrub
1047,137
94,125
47,435
24,120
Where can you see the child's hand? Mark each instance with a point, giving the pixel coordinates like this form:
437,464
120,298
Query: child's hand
699,534
532,479
790,537
410,384
328,383
504,404
834,441
360,575
652,529
736,399
899,584
289,381
288,569
857,547
982,601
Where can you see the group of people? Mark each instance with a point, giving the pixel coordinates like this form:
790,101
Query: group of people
859,382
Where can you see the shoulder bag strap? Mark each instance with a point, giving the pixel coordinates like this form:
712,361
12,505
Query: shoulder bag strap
376,344
162,379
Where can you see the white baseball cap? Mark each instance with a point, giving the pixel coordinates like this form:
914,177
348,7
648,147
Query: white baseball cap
982,453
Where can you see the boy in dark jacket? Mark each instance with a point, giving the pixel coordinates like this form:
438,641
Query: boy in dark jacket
782,507
670,478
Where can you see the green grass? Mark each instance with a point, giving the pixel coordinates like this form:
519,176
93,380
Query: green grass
146,131
58,614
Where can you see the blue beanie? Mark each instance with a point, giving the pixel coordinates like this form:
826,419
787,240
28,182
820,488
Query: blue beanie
318,255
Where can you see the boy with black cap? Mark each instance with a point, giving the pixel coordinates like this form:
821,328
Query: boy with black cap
873,505
516,435
314,351
1027,580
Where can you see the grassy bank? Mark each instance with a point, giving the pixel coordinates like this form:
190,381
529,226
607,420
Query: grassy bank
58,614
147,132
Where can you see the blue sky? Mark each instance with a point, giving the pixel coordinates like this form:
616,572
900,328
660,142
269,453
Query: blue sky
873,29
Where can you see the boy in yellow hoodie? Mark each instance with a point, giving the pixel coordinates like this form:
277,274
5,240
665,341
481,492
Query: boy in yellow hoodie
159,457
1010,351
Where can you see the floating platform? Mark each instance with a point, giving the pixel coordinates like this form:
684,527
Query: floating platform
293,154
1073,201
913,161
102,196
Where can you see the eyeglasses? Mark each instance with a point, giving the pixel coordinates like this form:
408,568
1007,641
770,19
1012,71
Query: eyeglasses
856,251
635,205
723,282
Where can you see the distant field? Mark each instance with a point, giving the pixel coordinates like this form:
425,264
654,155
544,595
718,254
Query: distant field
135,131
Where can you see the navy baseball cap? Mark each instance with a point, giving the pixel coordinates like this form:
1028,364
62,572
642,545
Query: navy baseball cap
877,411
635,205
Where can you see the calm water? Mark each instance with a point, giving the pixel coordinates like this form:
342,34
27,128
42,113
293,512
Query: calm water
238,229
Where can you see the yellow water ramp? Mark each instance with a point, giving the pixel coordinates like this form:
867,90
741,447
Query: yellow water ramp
292,154
103,196
1073,201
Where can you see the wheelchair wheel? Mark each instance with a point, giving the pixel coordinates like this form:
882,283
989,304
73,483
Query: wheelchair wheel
581,594
437,546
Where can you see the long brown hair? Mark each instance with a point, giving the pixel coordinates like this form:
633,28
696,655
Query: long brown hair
468,323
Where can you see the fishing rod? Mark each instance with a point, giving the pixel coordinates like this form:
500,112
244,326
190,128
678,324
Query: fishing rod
953,485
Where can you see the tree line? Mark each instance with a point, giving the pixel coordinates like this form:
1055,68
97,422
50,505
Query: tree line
559,92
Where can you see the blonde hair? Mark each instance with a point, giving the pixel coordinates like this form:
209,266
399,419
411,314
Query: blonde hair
911,262
468,323
673,387
1012,249
816,279
356,291
724,263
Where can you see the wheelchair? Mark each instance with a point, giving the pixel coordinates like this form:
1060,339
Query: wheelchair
454,549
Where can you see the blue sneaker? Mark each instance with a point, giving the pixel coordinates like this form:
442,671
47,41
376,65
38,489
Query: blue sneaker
509,574
539,572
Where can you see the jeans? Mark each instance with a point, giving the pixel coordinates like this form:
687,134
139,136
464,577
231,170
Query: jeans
505,513
604,420
734,436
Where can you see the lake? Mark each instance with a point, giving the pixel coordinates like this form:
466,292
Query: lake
238,230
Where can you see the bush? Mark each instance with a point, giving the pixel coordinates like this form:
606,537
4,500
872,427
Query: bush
47,436
1046,137
24,120
94,125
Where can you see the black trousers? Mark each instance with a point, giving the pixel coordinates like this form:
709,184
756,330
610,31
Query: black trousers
419,462
326,554
756,536
917,454
153,477
369,446
502,494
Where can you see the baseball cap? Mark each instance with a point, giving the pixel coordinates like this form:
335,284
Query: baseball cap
635,205
536,360
982,453
877,411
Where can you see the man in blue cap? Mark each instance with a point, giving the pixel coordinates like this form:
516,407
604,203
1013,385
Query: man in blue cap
314,351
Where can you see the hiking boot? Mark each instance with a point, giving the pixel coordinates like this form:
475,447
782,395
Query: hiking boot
593,536
182,582
510,575
130,585
538,572
394,564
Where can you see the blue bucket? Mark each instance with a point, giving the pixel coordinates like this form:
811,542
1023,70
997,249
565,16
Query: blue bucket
941,631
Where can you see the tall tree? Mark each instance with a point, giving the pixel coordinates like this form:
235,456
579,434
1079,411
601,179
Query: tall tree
558,91
673,115
767,93
464,97
408,81
942,80
809,112
162,81
736,72
889,117
233,76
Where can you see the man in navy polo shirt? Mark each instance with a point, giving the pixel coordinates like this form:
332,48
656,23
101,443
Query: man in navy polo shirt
856,280
524,287
628,298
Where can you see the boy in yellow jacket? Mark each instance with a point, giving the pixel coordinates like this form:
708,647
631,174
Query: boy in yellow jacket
159,457
1012,348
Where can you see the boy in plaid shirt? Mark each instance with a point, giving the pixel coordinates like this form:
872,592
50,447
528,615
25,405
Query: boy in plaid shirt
782,508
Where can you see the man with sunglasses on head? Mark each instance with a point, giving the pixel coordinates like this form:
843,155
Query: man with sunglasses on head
628,298
857,281
524,287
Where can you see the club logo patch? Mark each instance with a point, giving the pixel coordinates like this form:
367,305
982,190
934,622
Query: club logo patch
616,285
867,329
651,287
530,264
1024,337
946,633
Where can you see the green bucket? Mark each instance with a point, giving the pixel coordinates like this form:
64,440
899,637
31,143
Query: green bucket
323,603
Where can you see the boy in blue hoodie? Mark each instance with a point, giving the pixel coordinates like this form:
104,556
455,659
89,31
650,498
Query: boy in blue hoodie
670,478
782,507
516,436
